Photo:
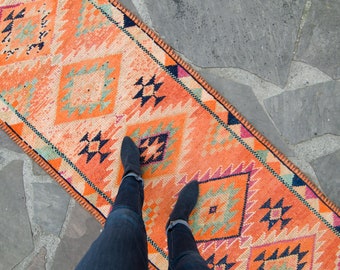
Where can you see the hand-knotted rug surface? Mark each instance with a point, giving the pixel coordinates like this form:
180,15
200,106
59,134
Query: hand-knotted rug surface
77,76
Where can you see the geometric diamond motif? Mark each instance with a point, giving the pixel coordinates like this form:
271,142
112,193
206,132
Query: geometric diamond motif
290,254
213,209
20,97
275,214
216,140
152,149
220,208
93,147
159,141
150,213
88,21
87,89
148,90
26,29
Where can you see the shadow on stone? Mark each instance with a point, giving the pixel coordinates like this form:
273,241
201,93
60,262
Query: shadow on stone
81,231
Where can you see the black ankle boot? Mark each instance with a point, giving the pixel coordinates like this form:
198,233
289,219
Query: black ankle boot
130,157
185,203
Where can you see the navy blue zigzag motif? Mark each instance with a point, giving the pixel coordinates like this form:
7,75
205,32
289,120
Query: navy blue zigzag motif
275,213
286,253
221,264
154,89
98,143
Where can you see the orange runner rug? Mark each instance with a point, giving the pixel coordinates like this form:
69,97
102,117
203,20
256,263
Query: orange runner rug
77,76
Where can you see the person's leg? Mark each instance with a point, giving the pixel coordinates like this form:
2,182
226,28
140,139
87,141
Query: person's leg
130,193
183,252
131,190
122,244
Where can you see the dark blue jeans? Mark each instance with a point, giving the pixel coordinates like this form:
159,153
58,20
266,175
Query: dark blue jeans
183,252
123,245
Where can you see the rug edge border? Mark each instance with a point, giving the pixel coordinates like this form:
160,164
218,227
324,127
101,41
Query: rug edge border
47,167
168,49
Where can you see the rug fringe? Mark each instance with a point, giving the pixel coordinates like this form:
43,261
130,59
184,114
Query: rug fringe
227,105
47,167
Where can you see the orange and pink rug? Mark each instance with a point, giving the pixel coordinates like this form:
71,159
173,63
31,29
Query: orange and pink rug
77,76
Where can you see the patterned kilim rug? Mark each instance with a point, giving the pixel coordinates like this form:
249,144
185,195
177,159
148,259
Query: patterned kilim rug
77,76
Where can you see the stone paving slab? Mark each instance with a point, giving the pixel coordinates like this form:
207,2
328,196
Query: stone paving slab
258,36
81,231
15,231
50,206
6,142
39,261
320,37
328,170
306,113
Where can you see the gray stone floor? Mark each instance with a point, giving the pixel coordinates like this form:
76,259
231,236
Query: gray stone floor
277,62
